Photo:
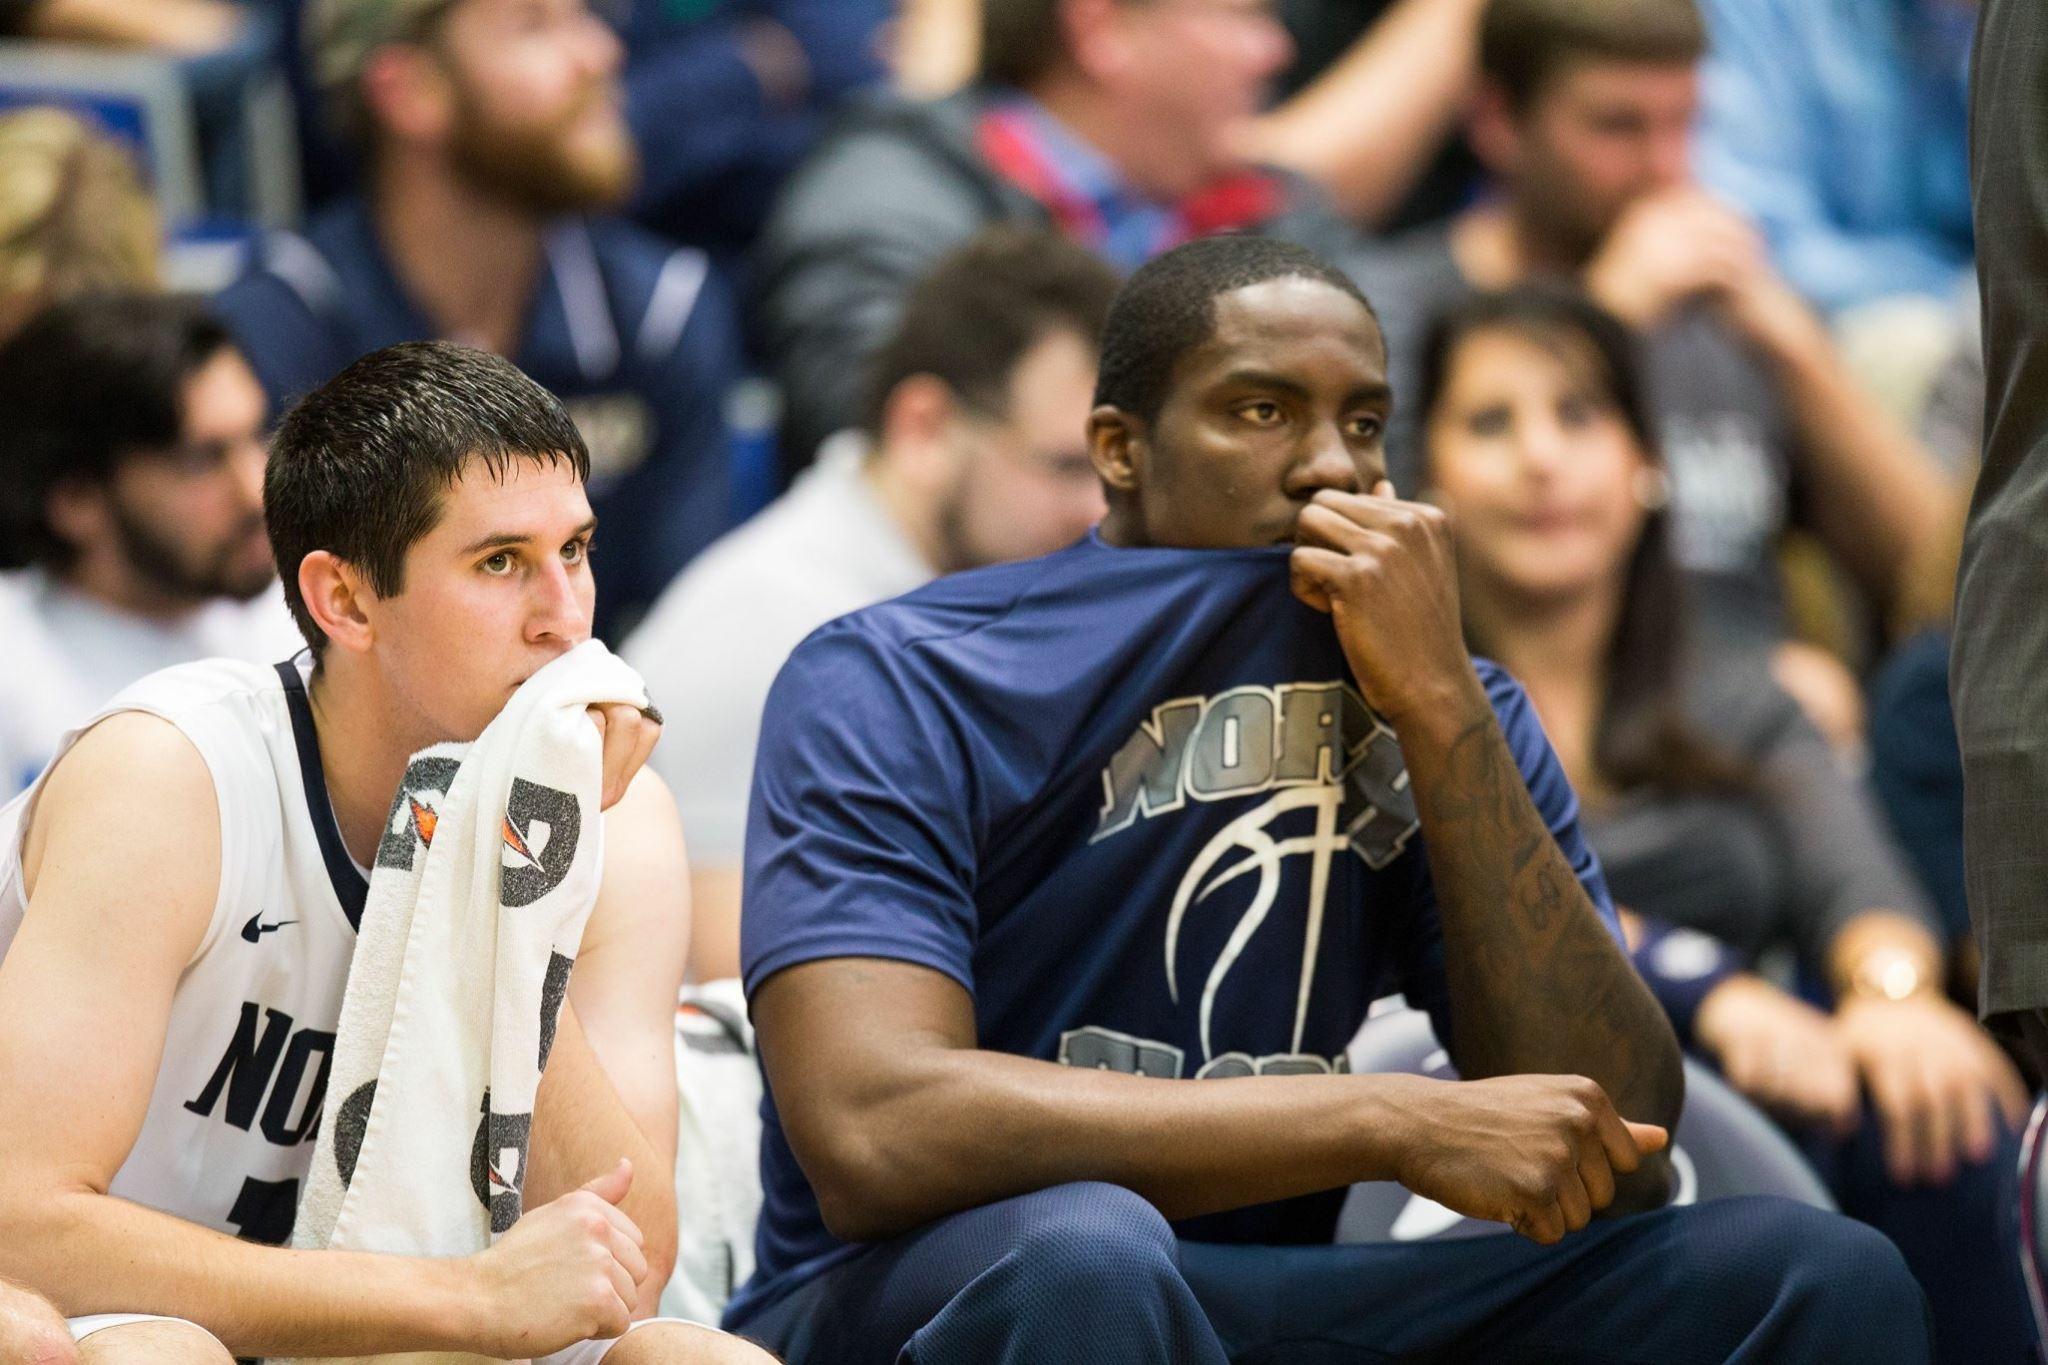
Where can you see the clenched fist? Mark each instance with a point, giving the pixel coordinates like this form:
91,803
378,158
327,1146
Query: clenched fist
567,1271
1539,1153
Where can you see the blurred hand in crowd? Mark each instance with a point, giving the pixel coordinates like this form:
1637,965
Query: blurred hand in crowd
1678,245
1937,1082
1670,247
180,27
1780,1051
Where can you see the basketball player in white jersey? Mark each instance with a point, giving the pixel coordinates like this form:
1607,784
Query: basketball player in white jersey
179,894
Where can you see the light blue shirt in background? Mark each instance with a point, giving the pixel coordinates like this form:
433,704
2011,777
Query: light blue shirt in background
1841,126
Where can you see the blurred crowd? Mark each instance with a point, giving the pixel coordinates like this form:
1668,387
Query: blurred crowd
1680,316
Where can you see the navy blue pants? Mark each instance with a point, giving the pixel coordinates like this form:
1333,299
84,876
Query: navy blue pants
1959,1239
1091,1272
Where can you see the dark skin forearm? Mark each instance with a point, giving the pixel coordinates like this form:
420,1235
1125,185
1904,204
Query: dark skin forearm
1537,983
945,1125
898,1117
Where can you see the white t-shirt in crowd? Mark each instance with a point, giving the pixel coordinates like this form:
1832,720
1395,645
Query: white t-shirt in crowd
66,655
715,640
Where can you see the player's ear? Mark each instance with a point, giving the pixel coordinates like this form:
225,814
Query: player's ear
1116,446
919,420
334,593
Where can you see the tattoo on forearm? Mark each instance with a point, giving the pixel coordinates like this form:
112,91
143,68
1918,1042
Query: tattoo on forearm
1536,981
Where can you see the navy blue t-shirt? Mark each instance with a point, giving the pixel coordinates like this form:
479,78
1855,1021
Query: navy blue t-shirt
636,336
1132,801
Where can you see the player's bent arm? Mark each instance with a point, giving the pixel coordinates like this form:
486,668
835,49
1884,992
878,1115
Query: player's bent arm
122,862
610,1086
1537,983
897,1118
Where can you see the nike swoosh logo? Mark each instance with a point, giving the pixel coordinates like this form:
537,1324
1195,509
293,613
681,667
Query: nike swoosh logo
256,928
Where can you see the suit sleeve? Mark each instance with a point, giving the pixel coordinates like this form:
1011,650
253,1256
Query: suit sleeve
2001,632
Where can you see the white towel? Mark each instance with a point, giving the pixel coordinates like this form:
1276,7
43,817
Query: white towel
488,868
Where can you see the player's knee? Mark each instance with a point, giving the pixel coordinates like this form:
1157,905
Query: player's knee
38,1344
1087,1240
1800,1273
153,1343
681,1343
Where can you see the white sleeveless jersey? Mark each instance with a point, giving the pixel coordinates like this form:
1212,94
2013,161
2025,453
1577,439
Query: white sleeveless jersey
234,1113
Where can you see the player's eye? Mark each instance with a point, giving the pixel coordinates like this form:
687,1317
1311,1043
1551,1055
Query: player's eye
576,551
1263,413
498,565
1366,428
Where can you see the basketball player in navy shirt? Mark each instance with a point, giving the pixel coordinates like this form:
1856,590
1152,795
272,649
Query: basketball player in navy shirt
1034,847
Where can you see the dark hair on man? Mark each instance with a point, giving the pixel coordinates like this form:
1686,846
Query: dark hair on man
1524,43
1020,40
360,466
86,384
971,319
1641,739
1169,308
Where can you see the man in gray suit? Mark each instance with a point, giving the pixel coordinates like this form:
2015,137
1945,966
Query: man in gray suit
1999,672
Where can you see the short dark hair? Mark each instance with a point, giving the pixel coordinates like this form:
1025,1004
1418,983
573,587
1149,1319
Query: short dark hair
972,318
360,466
1524,43
1169,308
87,383
1020,40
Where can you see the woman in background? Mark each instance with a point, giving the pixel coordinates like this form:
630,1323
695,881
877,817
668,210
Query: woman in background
1725,822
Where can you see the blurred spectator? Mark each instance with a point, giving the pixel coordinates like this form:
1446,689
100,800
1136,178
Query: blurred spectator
972,450
1842,130
725,96
180,27
74,216
1120,124
934,45
1371,105
1715,808
217,49
133,457
1367,107
1585,118
492,132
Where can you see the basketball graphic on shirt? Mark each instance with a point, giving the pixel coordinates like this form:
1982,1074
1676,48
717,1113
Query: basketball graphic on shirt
1334,782
1247,848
